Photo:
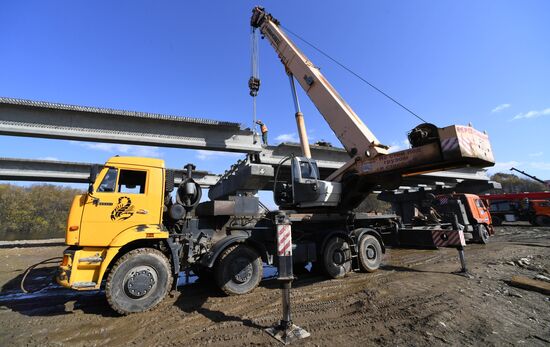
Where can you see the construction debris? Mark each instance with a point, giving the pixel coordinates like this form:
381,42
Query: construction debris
530,284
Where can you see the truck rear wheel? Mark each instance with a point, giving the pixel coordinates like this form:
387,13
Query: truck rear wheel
336,259
239,270
138,281
370,253
543,221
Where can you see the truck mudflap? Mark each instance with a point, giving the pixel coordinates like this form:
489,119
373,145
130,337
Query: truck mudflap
429,238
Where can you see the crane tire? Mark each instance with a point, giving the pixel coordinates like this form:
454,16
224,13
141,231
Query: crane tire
239,270
336,258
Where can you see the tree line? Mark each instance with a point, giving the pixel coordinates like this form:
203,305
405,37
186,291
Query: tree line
34,212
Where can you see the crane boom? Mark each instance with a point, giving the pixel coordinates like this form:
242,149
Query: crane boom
532,177
344,122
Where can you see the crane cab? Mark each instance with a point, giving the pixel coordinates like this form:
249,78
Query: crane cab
305,188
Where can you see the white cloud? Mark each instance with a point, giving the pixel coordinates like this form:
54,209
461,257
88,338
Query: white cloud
140,151
536,154
504,166
399,146
500,107
532,114
290,137
540,165
209,155
49,158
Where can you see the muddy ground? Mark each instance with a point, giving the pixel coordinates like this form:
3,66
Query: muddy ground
415,299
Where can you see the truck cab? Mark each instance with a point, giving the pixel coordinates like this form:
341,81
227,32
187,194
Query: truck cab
124,204
306,189
471,212
540,212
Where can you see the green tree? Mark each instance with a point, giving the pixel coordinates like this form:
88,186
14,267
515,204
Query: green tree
514,184
35,212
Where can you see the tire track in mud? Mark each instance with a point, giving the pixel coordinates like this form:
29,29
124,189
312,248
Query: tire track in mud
318,304
413,300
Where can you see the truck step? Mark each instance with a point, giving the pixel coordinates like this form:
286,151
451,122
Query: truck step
77,285
92,260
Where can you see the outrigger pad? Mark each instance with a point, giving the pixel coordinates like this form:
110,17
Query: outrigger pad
289,335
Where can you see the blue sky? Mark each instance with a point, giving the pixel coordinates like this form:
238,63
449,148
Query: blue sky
484,62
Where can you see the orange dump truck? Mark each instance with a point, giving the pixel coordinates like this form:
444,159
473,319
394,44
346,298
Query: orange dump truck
531,207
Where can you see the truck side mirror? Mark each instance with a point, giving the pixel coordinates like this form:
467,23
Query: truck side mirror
94,170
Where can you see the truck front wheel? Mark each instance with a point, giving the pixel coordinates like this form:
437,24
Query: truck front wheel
336,258
543,221
482,234
239,270
138,281
370,253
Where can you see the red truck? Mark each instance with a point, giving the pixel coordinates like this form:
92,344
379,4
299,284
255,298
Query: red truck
511,207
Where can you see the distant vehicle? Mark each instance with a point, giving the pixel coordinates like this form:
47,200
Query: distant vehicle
531,207
423,208
471,212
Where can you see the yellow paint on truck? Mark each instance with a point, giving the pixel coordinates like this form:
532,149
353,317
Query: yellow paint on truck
125,206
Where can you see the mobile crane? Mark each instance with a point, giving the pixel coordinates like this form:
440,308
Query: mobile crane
128,236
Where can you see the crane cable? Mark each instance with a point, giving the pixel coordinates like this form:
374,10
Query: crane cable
254,81
354,73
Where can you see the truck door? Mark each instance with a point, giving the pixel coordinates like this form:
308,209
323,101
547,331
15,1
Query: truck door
305,174
118,203
483,215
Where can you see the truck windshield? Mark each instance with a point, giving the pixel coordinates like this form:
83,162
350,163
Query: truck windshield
108,184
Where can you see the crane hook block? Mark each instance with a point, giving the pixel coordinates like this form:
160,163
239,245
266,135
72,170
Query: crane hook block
254,85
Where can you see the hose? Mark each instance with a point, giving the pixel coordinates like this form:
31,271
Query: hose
30,268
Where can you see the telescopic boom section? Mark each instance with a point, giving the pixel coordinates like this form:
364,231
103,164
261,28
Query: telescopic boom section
354,135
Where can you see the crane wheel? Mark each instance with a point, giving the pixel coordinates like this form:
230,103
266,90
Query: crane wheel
482,235
370,253
138,281
336,258
543,221
239,270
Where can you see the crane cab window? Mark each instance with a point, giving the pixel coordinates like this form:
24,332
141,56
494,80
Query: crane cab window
108,184
308,170
132,182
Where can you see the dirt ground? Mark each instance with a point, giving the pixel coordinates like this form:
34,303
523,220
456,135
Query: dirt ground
414,299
